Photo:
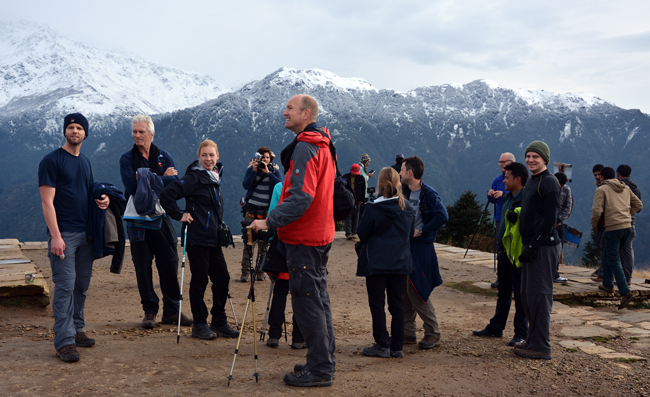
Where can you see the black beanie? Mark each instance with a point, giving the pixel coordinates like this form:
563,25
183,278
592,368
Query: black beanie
77,118
608,173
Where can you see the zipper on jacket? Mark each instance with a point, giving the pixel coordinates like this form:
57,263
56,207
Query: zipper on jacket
208,223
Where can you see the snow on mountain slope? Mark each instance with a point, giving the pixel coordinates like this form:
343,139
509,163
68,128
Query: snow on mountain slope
43,70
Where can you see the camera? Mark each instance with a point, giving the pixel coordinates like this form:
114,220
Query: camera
260,164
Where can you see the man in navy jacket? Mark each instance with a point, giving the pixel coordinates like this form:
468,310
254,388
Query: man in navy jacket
430,215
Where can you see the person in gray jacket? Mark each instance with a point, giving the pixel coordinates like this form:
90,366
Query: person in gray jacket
385,260
563,213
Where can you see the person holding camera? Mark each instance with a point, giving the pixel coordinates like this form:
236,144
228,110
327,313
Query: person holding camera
357,185
260,179
201,188
385,260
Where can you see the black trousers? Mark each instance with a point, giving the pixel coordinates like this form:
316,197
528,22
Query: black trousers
311,305
392,284
142,253
208,262
276,313
509,277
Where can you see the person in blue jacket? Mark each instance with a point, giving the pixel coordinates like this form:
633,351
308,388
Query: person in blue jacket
260,179
201,188
430,215
496,194
385,261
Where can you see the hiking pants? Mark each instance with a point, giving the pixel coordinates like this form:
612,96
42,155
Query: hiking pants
311,305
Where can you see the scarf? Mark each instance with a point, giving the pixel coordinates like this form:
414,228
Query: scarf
153,165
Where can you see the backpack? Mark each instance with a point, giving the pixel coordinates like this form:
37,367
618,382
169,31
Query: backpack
343,197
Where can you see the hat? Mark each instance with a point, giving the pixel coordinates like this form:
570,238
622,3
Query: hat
355,169
76,118
364,157
540,148
399,156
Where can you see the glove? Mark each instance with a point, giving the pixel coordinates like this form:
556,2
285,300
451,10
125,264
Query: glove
528,253
511,216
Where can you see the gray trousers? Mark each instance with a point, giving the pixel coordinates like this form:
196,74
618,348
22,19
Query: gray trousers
413,305
311,305
537,296
627,255
71,277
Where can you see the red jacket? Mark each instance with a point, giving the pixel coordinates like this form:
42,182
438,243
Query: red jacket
305,213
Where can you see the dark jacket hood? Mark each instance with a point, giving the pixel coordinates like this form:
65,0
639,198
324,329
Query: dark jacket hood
389,207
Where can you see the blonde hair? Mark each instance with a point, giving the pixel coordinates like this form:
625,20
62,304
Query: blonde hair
206,143
389,185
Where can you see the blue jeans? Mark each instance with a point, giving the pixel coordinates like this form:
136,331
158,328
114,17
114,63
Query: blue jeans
614,242
71,277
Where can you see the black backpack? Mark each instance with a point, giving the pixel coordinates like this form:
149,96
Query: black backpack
343,197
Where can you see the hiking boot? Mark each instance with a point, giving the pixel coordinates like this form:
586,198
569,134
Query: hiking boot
521,345
173,319
608,290
517,341
225,330
532,354
495,284
299,367
626,300
486,332
272,342
429,342
376,351
149,321
299,345
410,340
560,279
260,276
202,331
244,278
348,236
68,353
397,353
307,379
596,279
81,340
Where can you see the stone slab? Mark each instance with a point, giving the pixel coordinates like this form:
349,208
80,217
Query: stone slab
575,343
14,261
9,241
483,285
588,331
595,349
634,316
565,319
638,332
622,355
645,325
611,324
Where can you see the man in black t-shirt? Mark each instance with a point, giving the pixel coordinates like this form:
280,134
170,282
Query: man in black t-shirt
541,250
64,179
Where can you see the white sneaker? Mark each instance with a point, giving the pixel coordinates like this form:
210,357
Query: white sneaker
560,279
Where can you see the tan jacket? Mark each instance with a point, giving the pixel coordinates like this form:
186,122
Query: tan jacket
617,201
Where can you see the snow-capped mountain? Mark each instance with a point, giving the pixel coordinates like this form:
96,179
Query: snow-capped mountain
45,72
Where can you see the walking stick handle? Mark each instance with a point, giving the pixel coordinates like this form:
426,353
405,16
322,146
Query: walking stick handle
250,235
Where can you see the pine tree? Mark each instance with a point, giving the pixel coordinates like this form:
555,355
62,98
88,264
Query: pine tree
464,215
591,253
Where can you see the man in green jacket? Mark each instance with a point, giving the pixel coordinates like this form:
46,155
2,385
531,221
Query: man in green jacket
509,276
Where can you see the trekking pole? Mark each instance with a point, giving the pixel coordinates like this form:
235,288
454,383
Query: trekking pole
494,228
233,311
268,308
477,225
180,300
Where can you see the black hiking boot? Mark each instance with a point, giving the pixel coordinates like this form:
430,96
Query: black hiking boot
68,353
306,379
202,331
81,340
225,330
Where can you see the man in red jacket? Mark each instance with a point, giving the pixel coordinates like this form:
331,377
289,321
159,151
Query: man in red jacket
304,219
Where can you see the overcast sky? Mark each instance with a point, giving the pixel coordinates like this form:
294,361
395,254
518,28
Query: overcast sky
600,47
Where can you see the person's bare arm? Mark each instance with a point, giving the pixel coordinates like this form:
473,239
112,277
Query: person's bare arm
49,213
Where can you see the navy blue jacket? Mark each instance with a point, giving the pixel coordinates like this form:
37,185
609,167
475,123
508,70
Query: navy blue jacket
389,252
97,218
249,179
426,274
203,200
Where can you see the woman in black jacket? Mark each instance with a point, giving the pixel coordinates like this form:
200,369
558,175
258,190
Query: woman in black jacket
201,188
385,261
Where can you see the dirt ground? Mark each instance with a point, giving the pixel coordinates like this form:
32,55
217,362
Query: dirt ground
130,360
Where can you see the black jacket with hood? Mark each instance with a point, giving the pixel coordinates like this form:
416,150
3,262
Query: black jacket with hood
203,200
388,253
